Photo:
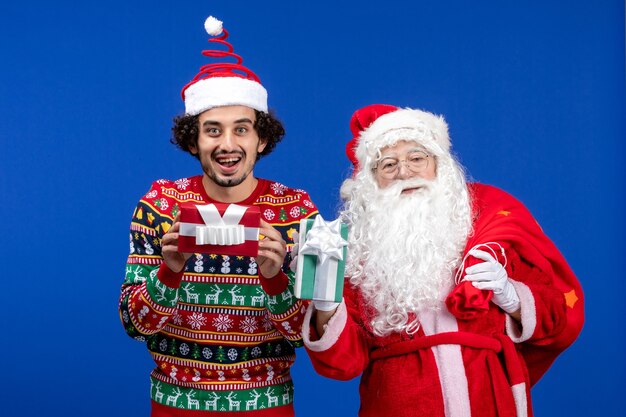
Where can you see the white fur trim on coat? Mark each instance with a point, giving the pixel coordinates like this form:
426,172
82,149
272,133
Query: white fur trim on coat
521,401
528,313
335,326
224,91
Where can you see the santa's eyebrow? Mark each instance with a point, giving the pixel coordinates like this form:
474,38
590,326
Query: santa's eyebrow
395,155
418,149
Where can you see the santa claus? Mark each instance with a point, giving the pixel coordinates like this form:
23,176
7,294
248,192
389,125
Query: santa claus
455,301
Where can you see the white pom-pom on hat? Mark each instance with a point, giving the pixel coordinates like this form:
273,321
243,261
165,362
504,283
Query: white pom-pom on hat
213,26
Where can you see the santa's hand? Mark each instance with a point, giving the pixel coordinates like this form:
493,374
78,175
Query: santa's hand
294,252
491,275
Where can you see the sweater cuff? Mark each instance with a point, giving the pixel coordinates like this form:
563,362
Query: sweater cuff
168,277
275,285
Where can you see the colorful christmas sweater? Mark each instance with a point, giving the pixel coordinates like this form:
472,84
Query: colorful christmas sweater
222,337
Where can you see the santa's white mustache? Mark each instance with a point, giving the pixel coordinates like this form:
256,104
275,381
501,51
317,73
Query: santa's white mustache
396,189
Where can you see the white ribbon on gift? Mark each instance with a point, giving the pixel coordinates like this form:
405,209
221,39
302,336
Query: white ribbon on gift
220,230
325,242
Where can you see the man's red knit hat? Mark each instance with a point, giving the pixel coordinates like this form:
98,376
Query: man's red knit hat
223,83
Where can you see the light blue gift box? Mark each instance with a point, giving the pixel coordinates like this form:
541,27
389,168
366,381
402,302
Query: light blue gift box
310,267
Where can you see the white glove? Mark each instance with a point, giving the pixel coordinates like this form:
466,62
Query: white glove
325,305
491,275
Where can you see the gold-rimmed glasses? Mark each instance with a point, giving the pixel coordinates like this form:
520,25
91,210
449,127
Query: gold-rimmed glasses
389,166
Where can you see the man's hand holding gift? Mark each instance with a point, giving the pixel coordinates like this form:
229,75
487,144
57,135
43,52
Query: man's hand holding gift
272,250
174,259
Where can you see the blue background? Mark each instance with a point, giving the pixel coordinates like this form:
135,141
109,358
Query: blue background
533,93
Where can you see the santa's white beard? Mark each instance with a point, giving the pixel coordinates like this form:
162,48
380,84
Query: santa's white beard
404,248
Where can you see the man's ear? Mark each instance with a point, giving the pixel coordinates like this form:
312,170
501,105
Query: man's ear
262,144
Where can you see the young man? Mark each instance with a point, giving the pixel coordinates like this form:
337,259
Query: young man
221,329
455,300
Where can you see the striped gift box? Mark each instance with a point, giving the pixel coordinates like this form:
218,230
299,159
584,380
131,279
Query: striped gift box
320,277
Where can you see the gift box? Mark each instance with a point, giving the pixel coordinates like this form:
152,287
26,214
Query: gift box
223,229
321,259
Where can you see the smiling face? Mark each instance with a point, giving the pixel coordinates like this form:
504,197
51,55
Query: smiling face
227,148
401,155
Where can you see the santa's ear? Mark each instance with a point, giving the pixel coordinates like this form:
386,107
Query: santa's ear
346,189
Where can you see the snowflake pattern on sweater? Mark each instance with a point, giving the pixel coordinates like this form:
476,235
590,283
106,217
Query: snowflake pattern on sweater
223,339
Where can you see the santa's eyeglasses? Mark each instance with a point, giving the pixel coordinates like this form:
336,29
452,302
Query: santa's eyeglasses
388,167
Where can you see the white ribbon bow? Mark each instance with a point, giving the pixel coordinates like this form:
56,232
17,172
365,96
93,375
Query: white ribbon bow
220,230
324,240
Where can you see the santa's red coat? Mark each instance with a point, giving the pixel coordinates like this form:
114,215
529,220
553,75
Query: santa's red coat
468,358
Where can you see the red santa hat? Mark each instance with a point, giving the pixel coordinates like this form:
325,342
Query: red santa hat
379,125
223,83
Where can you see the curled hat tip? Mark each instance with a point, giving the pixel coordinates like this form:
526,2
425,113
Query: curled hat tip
213,26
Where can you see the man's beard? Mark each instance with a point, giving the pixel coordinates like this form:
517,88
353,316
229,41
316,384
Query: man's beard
404,248
229,181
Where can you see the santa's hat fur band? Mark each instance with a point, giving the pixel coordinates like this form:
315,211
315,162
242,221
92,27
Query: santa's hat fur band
388,125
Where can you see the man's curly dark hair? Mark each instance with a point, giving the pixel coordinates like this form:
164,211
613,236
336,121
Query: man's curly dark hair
267,126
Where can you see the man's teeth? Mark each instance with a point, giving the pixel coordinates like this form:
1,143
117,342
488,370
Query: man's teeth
228,161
